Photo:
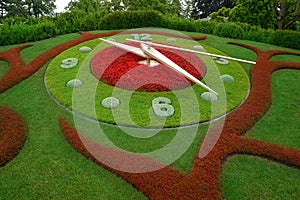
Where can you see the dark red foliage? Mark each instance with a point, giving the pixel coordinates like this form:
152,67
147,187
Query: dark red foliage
203,182
118,68
12,134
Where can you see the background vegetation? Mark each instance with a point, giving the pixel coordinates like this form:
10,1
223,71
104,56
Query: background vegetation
257,20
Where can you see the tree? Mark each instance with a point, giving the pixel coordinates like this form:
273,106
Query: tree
254,12
203,8
281,14
170,7
38,8
26,8
88,6
186,8
12,8
3,8
286,12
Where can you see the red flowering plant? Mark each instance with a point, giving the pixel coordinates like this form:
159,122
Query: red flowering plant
125,70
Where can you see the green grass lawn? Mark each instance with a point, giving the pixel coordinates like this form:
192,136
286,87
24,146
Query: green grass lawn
49,168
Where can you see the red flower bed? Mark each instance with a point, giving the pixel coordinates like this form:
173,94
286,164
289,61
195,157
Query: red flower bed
12,134
118,68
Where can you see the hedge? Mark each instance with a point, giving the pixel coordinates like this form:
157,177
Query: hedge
286,38
19,30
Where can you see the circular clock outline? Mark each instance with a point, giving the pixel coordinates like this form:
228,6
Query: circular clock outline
130,125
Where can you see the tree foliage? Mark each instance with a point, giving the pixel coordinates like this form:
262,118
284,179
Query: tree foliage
87,6
203,8
171,7
286,12
38,8
12,8
253,12
280,14
26,8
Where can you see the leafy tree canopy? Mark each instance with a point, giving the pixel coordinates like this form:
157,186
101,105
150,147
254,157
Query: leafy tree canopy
203,8
281,14
254,12
164,6
26,8
286,12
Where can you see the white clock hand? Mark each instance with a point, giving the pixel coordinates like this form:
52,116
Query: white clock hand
128,48
150,51
193,51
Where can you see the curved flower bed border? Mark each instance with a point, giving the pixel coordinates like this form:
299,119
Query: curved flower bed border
12,134
204,182
12,126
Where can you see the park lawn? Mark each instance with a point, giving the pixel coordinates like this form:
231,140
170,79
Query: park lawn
48,167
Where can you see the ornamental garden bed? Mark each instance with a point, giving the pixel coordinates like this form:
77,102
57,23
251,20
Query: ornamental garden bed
122,76
257,151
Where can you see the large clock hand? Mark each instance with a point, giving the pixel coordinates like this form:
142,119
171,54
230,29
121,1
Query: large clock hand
193,51
128,48
152,52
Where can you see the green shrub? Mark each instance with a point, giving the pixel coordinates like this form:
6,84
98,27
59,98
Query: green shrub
173,22
20,30
70,22
228,29
258,34
21,33
220,14
286,38
207,27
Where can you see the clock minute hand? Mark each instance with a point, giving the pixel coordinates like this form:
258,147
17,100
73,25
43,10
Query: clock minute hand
128,48
193,51
152,52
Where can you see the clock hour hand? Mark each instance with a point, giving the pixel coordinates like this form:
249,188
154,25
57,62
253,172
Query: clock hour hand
128,48
152,52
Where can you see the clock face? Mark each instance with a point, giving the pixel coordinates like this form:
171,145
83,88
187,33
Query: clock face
103,82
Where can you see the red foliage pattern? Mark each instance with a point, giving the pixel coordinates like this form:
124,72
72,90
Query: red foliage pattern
12,134
203,182
12,126
118,68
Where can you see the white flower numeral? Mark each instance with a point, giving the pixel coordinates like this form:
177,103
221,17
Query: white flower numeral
162,107
142,37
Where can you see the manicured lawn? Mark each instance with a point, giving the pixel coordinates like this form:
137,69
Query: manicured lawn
48,167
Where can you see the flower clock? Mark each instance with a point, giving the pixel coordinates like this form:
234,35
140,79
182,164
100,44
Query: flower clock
145,84
133,86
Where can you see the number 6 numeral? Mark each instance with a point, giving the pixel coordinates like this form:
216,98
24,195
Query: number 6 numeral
162,107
